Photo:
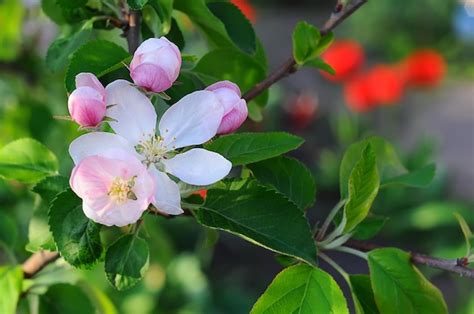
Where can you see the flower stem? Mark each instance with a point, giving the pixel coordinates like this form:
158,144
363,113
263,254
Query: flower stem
328,220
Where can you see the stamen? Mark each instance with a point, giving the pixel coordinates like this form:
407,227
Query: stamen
121,190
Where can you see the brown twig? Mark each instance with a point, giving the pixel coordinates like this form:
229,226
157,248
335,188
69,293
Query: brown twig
37,262
289,66
452,265
133,31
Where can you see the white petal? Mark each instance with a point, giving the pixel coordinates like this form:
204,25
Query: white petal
191,121
134,114
198,166
101,144
167,196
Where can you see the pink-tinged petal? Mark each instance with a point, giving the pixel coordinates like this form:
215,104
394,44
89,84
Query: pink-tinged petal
167,195
234,119
191,121
226,85
90,80
151,77
86,106
134,115
92,180
198,166
101,144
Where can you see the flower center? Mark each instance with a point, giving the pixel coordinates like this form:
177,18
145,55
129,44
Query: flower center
153,150
121,190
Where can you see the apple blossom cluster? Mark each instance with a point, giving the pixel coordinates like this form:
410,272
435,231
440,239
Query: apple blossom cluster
119,175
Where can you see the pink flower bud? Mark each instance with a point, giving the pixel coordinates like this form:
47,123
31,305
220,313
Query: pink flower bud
87,103
156,64
235,108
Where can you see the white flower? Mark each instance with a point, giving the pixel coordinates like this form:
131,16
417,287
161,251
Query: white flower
193,120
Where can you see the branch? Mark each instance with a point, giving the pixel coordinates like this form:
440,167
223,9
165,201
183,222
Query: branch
133,31
457,266
289,66
37,262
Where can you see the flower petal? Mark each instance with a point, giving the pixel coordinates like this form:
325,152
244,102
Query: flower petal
191,121
167,195
198,166
134,114
90,80
102,144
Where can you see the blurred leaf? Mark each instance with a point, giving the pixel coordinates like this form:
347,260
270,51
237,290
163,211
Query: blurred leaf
39,235
302,289
363,295
65,298
305,42
71,4
262,217
466,231
236,24
11,278
363,188
369,227
62,48
99,57
11,18
99,299
136,4
8,231
51,186
175,35
418,178
245,148
235,66
399,287
164,9
388,164
319,63
126,261
27,160
289,177
77,237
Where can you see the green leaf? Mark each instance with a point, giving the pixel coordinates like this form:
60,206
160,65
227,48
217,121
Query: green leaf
236,24
262,217
363,295
11,19
51,186
71,4
27,160
77,237
176,36
39,235
62,48
136,4
126,261
235,66
289,177
306,38
399,287
369,227
11,278
164,9
363,188
99,57
245,148
466,231
417,178
8,231
65,298
388,164
302,289
319,63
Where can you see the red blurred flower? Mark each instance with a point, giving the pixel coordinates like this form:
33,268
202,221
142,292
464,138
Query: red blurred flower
302,110
202,193
346,57
247,9
381,85
424,67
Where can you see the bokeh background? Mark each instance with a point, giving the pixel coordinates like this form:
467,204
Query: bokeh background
428,118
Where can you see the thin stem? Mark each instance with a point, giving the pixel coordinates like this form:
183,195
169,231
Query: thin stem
335,243
37,262
329,218
334,265
290,65
352,251
133,31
